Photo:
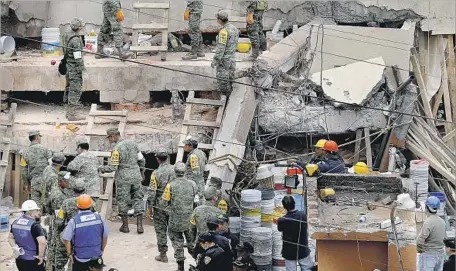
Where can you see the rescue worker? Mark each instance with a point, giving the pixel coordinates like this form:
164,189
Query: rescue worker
69,208
129,164
320,153
179,196
159,179
76,70
224,230
85,236
255,10
196,163
85,165
28,239
450,264
193,16
244,262
333,162
33,162
224,58
49,179
56,249
221,241
221,203
430,240
201,213
113,17
212,258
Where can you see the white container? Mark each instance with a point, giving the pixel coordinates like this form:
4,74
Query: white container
51,39
4,218
91,43
7,44
276,27
108,51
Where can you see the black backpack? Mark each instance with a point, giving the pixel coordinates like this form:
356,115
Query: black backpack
62,66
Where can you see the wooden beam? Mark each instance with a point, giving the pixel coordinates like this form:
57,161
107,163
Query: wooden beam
106,200
450,72
380,236
422,86
359,134
368,148
18,187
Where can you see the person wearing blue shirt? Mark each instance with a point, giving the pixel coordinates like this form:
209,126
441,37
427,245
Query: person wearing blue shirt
85,235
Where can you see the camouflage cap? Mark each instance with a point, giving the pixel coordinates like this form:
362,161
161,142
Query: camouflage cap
64,175
190,142
34,133
222,15
58,157
179,168
112,131
76,23
210,192
78,185
216,182
81,141
161,153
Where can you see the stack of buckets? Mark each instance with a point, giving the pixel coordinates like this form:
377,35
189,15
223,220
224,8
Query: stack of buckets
250,213
51,42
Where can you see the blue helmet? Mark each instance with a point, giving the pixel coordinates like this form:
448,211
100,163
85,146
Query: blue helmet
433,203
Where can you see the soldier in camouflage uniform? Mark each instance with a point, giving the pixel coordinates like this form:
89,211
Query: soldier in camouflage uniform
85,165
159,179
179,196
34,160
221,203
50,177
112,19
57,255
69,208
224,58
129,164
75,68
255,10
203,212
194,11
196,163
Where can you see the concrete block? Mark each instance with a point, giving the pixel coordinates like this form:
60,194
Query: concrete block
129,107
387,200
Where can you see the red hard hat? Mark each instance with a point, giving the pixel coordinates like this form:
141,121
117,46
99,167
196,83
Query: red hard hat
330,145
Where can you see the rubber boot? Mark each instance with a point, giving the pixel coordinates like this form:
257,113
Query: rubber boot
124,228
162,257
122,53
180,266
199,52
255,53
191,55
100,54
139,220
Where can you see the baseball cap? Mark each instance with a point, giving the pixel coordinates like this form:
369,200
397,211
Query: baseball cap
96,262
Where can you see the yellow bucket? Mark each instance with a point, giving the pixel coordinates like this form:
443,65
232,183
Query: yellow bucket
243,45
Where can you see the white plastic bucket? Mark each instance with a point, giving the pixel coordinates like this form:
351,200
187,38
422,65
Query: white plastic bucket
4,218
91,43
51,41
7,44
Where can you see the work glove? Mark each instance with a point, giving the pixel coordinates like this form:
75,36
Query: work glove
18,251
250,18
120,16
186,15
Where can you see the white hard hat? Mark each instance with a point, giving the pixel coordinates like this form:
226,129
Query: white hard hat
29,205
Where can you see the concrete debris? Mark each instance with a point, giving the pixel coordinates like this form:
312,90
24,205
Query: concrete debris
387,200
387,223
354,83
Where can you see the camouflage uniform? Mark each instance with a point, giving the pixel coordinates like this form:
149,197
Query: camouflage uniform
221,203
110,24
128,163
255,29
34,160
57,255
196,163
50,177
159,179
179,195
85,166
203,212
195,9
69,208
75,66
224,58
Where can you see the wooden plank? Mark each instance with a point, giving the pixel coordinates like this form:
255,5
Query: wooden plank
368,148
421,85
205,102
449,136
359,134
450,72
106,206
152,26
149,48
17,181
100,113
200,123
379,236
184,129
151,5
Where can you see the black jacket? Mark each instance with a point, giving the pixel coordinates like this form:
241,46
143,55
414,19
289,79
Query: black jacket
212,259
450,265
234,241
291,228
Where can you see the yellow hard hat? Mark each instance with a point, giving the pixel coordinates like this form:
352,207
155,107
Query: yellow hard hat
361,168
320,143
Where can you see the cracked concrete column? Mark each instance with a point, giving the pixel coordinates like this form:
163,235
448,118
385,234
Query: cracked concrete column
230,142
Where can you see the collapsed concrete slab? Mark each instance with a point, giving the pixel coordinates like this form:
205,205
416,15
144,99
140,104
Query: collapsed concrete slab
353,83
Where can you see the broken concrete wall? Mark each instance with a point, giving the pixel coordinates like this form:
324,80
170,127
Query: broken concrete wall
369,183
292,12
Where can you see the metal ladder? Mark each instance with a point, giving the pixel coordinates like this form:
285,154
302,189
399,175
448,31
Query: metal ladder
151,27
191,100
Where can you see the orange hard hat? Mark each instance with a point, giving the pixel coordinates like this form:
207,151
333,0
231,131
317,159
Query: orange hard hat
84,201
330,145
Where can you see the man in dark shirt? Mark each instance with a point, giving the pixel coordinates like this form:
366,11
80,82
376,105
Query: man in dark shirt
295,247
28,239
224,230
450,264
212,258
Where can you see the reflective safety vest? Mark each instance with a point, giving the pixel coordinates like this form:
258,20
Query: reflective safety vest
88,235
22,231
